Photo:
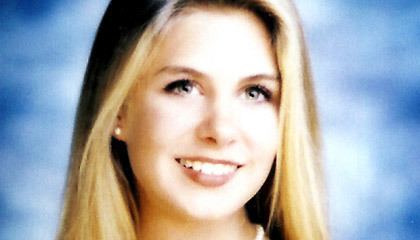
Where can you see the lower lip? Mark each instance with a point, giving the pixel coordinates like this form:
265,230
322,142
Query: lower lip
207,180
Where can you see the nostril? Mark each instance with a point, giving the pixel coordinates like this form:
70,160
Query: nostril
217,134
219,125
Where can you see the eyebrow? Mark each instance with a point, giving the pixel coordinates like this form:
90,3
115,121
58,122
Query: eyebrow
193,72
181,69
263,77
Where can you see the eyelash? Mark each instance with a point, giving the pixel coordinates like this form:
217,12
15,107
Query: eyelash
179,87
261,90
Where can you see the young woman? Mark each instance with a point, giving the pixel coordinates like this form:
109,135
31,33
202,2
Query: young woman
196,121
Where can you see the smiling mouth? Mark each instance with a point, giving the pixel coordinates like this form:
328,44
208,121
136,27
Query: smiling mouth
208,167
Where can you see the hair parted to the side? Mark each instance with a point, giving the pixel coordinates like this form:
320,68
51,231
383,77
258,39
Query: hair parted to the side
101,200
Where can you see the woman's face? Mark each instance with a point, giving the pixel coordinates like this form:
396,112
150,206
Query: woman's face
201,127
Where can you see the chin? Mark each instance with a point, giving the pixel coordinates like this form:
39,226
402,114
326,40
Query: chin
210,210
210,214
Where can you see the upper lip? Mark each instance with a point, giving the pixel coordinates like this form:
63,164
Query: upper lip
210,160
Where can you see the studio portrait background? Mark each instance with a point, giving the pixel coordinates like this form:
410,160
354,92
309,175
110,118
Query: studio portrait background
365,59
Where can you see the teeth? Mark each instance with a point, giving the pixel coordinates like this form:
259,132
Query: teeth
196,166
208,168
188,164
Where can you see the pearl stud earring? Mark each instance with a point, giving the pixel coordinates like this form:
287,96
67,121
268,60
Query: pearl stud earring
117,131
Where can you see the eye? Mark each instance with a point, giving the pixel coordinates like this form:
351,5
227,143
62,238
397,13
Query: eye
257,93
181,87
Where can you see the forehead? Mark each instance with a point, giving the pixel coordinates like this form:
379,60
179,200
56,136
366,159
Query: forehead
220,22
206,38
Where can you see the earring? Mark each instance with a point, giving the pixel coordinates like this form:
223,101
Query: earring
117,131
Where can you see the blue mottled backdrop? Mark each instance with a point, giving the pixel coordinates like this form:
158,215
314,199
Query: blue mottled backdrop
365,58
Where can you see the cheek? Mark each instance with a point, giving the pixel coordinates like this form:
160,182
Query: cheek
157,125
261,129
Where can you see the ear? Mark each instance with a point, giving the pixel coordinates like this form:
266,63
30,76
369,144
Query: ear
120,128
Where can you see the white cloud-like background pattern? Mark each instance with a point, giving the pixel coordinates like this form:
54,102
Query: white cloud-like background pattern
365,58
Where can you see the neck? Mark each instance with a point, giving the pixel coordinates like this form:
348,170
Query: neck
162,225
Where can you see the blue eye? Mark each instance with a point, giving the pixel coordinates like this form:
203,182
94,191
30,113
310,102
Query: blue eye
181,87
258,93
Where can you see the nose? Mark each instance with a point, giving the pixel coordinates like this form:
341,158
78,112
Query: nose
218,126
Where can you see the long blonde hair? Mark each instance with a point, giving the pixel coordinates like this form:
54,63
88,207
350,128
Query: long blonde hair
101,199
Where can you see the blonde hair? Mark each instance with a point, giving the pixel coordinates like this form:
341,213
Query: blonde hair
101,199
